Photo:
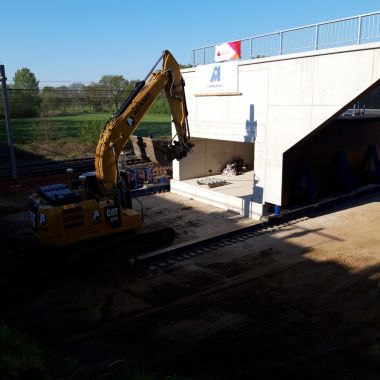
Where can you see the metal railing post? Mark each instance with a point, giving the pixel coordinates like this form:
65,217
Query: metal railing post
280,34
359,30
316,37
3,80
203,56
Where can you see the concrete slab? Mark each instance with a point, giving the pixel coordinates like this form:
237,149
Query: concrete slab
236,195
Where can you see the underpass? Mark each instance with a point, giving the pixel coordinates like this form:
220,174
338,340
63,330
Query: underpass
271,110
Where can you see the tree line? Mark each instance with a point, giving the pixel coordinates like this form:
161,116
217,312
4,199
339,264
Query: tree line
28,100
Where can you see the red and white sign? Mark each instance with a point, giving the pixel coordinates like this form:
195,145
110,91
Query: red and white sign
227,51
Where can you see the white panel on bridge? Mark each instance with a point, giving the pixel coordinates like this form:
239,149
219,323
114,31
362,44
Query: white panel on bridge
276,103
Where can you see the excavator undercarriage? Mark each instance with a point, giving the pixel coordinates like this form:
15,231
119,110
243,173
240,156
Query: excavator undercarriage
74,211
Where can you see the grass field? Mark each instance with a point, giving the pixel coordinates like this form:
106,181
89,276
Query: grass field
69,136
23,358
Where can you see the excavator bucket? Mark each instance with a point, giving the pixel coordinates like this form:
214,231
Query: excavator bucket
147,149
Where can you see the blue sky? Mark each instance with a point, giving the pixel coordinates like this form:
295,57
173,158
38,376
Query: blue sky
81,40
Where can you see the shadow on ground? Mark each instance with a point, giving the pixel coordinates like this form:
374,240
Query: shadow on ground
276,305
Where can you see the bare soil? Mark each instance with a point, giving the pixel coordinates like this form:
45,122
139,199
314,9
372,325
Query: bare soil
302,302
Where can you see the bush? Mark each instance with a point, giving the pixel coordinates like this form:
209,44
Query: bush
20,358
23,359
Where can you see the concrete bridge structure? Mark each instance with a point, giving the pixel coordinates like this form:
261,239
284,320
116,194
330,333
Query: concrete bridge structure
261,109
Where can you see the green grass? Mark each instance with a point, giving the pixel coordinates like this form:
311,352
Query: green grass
74,135
71,126
23,358
134,374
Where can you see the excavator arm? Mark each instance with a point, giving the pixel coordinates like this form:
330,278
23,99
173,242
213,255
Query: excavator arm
126,120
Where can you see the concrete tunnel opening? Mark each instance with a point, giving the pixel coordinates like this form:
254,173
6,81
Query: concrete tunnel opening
210,156
202,178
339,157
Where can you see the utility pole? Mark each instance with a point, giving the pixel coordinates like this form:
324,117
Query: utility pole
3,80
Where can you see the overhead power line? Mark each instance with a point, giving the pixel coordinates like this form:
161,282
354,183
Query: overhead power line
106,100
64,90
62,81
56,91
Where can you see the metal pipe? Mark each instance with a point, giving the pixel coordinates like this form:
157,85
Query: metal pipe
8,127
359,30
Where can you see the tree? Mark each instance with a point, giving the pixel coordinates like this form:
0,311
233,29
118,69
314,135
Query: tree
114,87
24,96
76,94
47,98
94,95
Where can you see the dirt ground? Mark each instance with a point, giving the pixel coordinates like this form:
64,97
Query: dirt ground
302,301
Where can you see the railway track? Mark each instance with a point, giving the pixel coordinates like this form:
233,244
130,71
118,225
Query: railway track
49,168
161,259
59,167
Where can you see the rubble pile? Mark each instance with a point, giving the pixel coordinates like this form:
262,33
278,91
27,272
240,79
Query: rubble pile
236,167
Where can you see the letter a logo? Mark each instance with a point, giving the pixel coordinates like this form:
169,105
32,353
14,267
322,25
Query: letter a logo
215,77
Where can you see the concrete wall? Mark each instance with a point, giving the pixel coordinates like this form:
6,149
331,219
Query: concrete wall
277,102
210,157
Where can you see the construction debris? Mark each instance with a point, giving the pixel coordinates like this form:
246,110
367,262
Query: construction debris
211,182
236,167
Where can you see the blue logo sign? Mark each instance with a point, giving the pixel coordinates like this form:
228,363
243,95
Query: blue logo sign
215,77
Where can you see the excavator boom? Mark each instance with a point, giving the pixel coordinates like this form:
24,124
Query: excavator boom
126,120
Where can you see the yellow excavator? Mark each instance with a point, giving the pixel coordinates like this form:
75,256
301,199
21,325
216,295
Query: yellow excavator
98,204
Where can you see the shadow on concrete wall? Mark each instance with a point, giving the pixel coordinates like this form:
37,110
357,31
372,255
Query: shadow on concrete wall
251,126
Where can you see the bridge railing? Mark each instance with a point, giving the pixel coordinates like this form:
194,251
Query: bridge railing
343,32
